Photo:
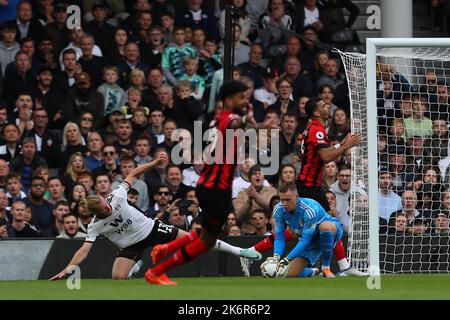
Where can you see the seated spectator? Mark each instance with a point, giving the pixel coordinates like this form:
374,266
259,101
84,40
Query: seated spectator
84,97
174,180
4,171
287,174
329,174
18,227
140,123
253,68
241,18
320,64
94,156
124,143
127,164
302,85
155,80
60,209
267,94
284,103
260,222
331,75
91,64
402,173
132,196
75,166
197,15
85,178
312,13
41,209
137,80
84,219
196,225
289,127
418,156
162,200
103,185
242,182
293,48
388,200
11,137
113,94
196,82
55,190
134,101
110,166
70,224
142,149
310,49
278,25
115,52
66,78
20,80
234,231
169,126
437,145
13,188
27,162
398,224
441,224
174,55
173,217
72,142
418,227
339,125
409,204
418,125
254,197
294,157
8,46
85,125
192,174
100,29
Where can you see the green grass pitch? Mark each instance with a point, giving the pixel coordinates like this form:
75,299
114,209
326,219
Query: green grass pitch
392,287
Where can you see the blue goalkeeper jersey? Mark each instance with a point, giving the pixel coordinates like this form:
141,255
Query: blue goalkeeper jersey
173,58
304,221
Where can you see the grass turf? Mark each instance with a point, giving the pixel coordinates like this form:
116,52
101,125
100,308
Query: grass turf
392,287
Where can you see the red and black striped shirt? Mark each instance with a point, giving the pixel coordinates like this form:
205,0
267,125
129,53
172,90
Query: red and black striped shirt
220,173
314,139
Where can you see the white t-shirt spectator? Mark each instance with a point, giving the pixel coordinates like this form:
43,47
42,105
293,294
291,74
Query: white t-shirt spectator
190,177
311,16
263,95
388,204
240,184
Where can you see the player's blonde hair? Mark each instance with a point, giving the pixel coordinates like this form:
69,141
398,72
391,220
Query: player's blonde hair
91,204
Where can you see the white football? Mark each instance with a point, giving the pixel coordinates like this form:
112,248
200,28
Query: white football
269,270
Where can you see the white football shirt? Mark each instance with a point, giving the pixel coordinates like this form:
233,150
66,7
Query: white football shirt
125,226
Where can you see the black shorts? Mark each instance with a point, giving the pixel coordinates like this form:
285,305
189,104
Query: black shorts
161,233
215,204
315,193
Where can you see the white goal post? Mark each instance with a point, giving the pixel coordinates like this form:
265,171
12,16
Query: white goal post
361,72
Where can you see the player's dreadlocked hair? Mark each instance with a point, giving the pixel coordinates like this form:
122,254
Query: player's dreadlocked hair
90,204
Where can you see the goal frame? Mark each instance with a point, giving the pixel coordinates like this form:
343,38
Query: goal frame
372,131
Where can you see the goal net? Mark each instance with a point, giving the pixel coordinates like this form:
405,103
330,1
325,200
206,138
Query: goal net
400,104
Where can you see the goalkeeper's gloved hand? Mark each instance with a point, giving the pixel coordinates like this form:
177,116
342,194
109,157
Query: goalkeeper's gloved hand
275,258
283,263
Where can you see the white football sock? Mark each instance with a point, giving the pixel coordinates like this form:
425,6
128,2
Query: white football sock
343,264
226,247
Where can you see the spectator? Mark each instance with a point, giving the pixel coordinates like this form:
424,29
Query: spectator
342,189
402,173
441,224
285,103
241,17
398,224
174,180
176,219
320,64
11,148
76,35
234,231
329,174
152,52
267,94
437,145
94,157
339,126
418,227
103,185
132,60
302,85
278,25
115,52
259,110
162,199
418,125
293,48
19,228
169,127
167,22
156,176
4,171
132,196
99,28
48,143
124,143
41,209
91,64
254,197
409,204
8,46
310,13
332,202
253,68
75,166
110,167
13,188
196,82
192,174
418,156
126,166
19,81
3,117
310,50
137,80
289,127
159,8
27,161
24,107
72,142
66,78
60,209
55,190
287,174
260,222
388,200
26,24
70,231
27,45
85,178
83,97
197,15
142,148
155,80
139,31
174,55
57,29
242,182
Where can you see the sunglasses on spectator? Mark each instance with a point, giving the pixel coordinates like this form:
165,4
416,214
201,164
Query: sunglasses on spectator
110,153
163,193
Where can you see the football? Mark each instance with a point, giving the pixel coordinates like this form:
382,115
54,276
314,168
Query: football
269,270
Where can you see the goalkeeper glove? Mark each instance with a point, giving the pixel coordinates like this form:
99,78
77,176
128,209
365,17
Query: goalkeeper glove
283,263
275,258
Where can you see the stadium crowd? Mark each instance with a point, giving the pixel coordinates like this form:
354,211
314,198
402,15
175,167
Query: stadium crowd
82,107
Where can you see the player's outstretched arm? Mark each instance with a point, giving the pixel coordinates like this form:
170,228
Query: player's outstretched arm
77,258
331,153
138,171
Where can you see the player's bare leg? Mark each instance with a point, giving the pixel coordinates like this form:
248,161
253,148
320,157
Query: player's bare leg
121,268
299,268
327,233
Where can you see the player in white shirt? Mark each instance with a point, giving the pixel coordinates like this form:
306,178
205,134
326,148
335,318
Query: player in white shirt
130,230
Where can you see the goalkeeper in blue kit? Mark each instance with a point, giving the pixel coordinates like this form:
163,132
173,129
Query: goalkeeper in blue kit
319,233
